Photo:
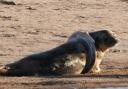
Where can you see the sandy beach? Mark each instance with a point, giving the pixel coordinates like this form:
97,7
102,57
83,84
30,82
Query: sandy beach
32,26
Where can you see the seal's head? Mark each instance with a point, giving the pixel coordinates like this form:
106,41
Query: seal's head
104,39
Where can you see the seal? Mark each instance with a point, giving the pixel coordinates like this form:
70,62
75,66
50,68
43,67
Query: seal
82,53
104,40
65,59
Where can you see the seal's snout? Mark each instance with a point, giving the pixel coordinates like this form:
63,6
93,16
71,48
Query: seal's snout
116,41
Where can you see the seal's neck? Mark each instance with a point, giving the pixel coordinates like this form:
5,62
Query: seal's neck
94,36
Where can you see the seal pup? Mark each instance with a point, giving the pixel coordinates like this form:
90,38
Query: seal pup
104,40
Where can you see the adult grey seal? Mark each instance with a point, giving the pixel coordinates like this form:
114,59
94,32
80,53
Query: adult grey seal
75,56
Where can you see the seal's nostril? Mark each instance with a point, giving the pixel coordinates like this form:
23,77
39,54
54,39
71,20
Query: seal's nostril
116,40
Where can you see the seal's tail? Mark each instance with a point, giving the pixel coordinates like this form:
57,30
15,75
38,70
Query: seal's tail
6,71
3,71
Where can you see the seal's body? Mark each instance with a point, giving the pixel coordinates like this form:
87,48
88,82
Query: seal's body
61,60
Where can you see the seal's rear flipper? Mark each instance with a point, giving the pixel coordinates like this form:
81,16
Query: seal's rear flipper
7,71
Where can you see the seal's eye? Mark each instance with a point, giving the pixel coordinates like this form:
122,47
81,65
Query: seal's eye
106,39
